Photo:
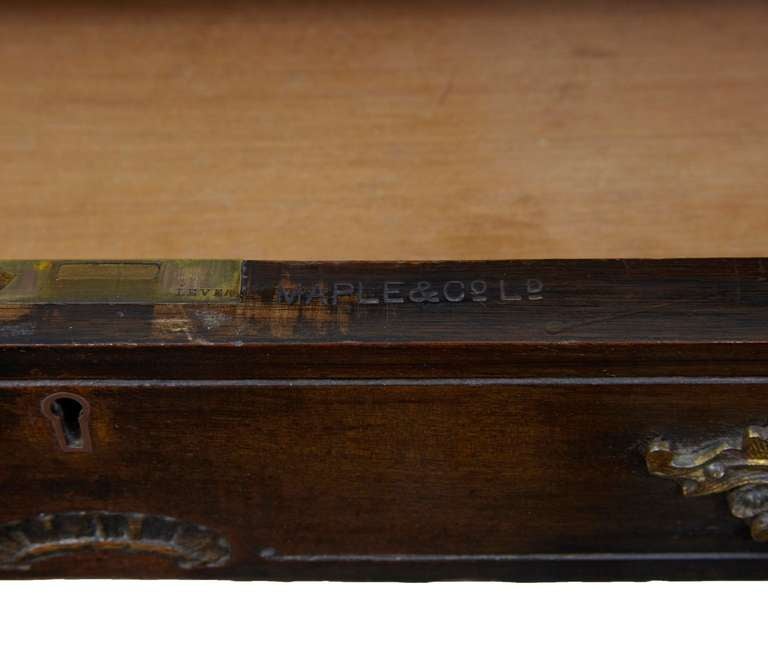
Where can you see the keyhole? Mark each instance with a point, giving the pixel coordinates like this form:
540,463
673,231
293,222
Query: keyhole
69,410
68,415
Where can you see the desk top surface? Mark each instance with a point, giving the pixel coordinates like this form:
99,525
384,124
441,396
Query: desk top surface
381,130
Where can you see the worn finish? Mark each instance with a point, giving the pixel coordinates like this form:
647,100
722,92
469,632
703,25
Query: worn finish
381,129
533,302
395,421
120,282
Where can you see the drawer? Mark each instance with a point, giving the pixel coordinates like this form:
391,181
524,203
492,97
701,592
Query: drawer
285,480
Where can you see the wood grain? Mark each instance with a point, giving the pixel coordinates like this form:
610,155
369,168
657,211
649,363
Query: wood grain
381,130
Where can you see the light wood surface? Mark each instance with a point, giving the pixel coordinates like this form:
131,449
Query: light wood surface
377,130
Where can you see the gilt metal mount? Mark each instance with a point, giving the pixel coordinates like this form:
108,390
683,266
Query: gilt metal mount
736,466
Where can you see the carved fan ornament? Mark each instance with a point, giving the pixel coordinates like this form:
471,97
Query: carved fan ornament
49,535
738,467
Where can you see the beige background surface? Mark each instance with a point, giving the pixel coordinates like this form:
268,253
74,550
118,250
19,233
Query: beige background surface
375,130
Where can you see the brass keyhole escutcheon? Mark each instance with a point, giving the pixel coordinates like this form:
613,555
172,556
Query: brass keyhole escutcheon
69,416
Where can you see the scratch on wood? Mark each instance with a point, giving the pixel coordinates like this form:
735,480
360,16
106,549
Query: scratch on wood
171,319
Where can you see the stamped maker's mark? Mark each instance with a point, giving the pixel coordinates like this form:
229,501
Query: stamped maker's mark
420,291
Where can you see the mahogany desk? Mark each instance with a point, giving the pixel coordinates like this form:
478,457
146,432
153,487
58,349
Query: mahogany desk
307,425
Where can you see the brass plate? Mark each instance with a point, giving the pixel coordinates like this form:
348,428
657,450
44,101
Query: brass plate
120,282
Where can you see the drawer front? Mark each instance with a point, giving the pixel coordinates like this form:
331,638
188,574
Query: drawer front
361,478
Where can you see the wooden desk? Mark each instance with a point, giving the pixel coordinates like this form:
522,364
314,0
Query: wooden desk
506,420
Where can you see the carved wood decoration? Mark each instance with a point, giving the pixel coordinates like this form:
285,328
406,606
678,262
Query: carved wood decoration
737,466
51,535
